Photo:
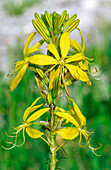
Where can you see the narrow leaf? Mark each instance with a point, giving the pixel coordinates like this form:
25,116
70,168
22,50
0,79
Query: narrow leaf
41,31
41,23
62,19
69,21
49,21
72,26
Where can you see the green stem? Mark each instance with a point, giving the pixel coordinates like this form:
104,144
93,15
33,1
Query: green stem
52,142
52,150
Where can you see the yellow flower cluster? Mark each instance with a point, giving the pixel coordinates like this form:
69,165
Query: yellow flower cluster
54,72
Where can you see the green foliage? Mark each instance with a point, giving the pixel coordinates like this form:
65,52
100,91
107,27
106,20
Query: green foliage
17,7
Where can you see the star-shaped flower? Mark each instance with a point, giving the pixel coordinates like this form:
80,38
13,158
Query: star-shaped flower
26,125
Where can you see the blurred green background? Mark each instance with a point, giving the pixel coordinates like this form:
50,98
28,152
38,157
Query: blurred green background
94,101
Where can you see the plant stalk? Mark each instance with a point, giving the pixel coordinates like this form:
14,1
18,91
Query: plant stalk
52,150
53,142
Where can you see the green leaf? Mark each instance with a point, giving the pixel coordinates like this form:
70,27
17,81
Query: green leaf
56,23
69,22
41,23
41,31
48,18
62,18
72,26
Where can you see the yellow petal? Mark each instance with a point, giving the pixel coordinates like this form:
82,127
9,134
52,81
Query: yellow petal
18,77
73,70
31,109
18,65
68,133
75,46
42,60
51,47
68,117
29,39
37,114
56,74
76,57
33,133
39,43
83,75
64,44
31,50
84,66
80,116
35,101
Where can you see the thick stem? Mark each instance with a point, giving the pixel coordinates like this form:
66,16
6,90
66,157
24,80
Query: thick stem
52,150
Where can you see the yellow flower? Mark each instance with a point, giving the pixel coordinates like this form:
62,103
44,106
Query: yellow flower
23,65
26,125
62,61
78,120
